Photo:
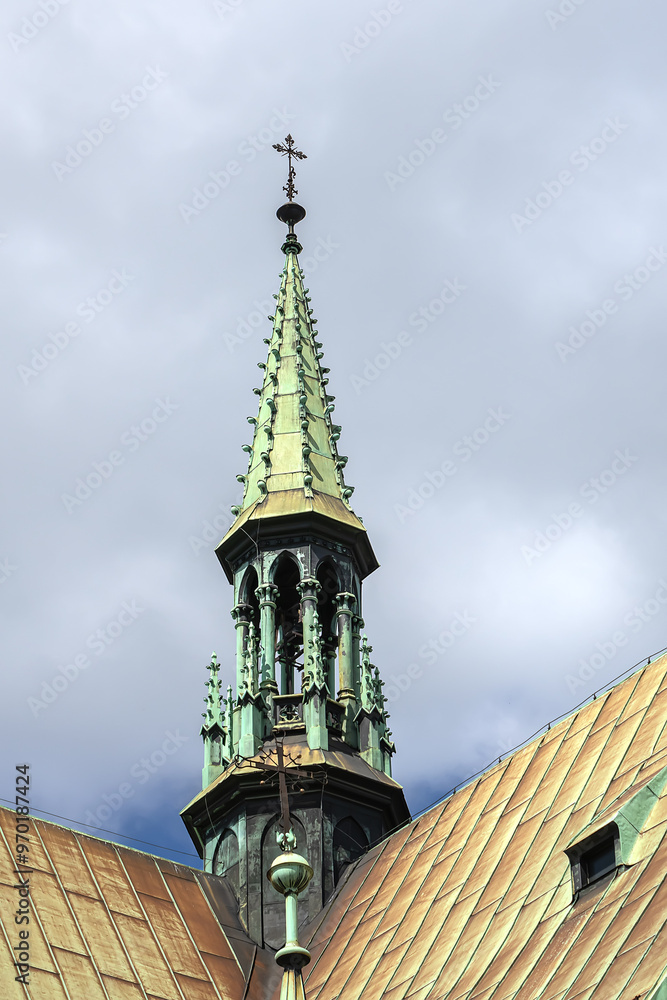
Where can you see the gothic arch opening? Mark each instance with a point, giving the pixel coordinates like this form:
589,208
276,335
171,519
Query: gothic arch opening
226,860
273,904
247,593
289,631
349,843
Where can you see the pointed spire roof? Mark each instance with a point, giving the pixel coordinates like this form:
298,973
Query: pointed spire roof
294,467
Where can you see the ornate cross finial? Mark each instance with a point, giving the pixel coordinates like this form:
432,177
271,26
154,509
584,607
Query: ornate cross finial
289,150
286,837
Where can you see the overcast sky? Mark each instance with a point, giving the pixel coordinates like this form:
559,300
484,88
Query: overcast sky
486,249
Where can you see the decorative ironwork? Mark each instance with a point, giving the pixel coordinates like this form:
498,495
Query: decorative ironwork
289,150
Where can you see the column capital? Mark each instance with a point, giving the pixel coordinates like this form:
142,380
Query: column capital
241,614
345,603
308,588
266,593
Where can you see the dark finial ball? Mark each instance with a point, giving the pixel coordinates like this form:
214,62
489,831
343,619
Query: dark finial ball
291,213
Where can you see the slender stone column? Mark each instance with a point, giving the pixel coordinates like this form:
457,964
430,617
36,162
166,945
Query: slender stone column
345,604
266,595
241,615
357,625
347,696
308,590
330,655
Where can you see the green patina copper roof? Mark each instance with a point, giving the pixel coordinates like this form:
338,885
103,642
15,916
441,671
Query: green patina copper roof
293,462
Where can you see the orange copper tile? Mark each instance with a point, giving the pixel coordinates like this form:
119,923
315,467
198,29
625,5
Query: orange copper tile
533,774
639,750
226,975
56,917
80,975
111,877
651,919
478,959
474,846
536,858
652,969
513,858
195,989
449,933
118,989
622,970
512,770
526,923
196,913
612,704
648,682
172,934
527,959
68,861
40,957
45,986
493,855
590,938
146,957
143,873
38,859
101,936
615,934
577,777
556,773
9,988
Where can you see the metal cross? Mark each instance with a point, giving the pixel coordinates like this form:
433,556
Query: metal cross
289,150
281,770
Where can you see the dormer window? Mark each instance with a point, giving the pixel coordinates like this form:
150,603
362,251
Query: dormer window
595,858
598,862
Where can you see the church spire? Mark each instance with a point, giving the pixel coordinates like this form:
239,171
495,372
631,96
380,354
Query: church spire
294,466
297,556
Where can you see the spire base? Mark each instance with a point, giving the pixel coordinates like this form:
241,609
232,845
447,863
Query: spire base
291,244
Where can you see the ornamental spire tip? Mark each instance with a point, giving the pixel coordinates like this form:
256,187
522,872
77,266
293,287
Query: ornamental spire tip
290,213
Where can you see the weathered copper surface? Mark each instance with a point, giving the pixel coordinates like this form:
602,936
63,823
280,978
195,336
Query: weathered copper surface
122,925
473,901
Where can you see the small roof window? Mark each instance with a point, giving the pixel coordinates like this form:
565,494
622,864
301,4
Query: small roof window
595,858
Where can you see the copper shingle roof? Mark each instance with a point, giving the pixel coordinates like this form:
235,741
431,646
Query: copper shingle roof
474,901
111,923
